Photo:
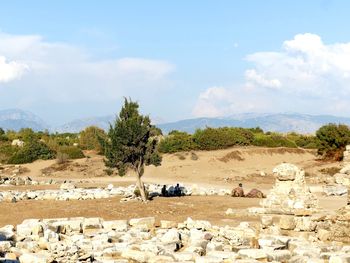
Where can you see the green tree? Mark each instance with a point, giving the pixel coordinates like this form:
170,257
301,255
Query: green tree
2,132
131,144
332,139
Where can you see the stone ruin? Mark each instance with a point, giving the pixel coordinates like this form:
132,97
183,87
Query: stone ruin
290,195
343,177
346,155
291,207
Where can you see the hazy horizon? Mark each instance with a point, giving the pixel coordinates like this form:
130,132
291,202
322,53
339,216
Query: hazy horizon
68,60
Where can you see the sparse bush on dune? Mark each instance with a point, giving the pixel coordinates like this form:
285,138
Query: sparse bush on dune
89,138
71,151
176,142
332,139
273,140
61,158
32,151
6,151
221,138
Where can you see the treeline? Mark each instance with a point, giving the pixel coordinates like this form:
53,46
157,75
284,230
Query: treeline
330,140
26,146
222,138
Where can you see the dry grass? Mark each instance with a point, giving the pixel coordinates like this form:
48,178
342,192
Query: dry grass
234,155
280,150
329,170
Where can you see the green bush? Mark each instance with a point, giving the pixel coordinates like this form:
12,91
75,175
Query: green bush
6,151
177,142
332,139
89,138
273,140
72,152
220,138
30,152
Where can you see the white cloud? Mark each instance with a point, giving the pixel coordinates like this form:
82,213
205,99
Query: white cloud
253,78
305,66
221,101
11,70
306,75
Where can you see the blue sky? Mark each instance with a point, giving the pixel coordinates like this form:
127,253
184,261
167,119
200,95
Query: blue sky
180,59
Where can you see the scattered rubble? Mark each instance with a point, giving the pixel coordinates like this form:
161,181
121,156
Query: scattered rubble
141,240
69,191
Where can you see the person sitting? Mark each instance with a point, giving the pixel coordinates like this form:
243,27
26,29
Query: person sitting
177,191
165,191
238,191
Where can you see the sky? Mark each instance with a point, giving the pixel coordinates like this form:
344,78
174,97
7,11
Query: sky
65,60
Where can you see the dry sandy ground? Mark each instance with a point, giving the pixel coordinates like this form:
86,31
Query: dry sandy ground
217,169
222,168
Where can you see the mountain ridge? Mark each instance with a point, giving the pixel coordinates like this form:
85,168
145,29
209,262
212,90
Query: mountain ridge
15,119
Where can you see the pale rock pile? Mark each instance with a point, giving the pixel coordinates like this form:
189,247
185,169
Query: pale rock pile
139,240
17,180
290,194
68,191
343,177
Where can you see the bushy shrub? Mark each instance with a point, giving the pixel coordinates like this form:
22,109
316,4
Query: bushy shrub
176,142
89,138
6,151
72,152
30,152
332,139
220,138
273,140
61,158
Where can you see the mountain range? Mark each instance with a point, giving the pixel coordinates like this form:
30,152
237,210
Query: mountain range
15,119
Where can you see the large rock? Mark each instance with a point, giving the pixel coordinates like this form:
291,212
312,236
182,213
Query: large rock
287,222
336,190
7,233
67,186
34,258
343,179
117,225
171,236
257,254
145,222
139,256
287,172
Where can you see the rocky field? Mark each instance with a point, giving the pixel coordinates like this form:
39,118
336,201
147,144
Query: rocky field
76,213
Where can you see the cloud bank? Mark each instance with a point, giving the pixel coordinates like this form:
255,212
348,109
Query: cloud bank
306,75
36,74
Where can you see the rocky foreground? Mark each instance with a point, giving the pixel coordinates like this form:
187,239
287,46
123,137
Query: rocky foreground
139,240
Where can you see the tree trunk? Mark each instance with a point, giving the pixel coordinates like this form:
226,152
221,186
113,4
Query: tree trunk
141,187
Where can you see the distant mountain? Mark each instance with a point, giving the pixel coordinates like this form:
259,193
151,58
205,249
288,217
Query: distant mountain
80,124
301,123
16,119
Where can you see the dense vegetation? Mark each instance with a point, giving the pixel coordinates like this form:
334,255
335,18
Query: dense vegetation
221,138
330,141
